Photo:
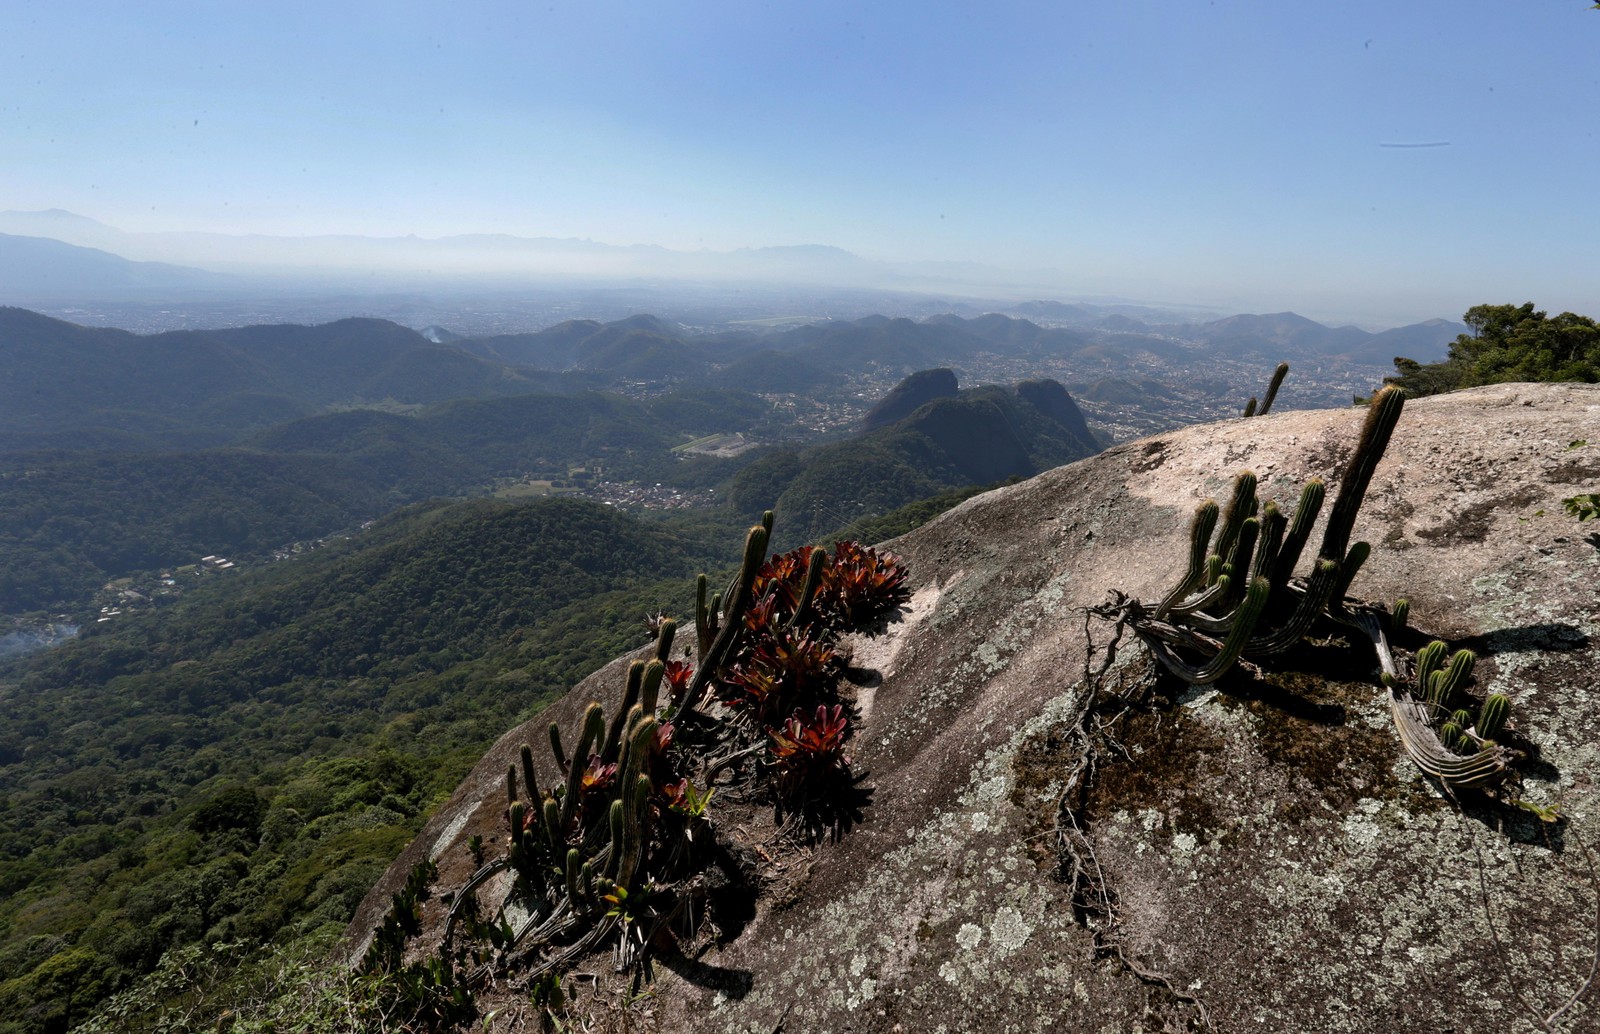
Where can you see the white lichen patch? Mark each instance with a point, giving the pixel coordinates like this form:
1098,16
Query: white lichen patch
974,883
1008,931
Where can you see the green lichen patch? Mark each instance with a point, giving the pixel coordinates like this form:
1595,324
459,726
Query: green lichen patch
1323,726
1171,759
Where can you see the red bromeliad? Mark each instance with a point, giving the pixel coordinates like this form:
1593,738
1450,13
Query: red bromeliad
804,750
861,584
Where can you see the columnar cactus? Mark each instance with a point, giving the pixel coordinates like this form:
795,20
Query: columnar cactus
596,849
1492,719
1272,389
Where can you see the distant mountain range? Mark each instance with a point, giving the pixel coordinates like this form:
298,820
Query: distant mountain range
373,266
487,257
39,268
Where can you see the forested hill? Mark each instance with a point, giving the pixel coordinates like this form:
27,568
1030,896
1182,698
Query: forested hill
69,521
978,436
63,385
240,765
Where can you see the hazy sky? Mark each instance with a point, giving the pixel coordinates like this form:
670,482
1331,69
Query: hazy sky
1395,159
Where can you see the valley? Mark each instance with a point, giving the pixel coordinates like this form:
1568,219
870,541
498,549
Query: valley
314,571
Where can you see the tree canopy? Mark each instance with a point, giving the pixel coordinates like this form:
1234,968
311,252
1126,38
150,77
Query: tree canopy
1509,343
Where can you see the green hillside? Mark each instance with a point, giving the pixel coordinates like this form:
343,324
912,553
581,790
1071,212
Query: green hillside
240,765
978,437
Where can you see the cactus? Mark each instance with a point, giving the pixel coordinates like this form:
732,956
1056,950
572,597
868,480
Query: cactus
594,726
1294,542
1382,414
1238,565
555,748
573,870
630,696
1452,736
1249,611
586,844
633,833
1272,388
1444,685
530,778
1250,407
735,604
650,686
1273,525
1240,506
1312,603
1200,529
816,563
664,637
705,619
1429,659
1398,615
1492,718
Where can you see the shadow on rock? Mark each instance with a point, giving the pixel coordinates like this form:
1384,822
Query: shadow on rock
1547,636
733,983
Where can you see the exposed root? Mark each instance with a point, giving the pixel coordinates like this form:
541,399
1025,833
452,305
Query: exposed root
1090,742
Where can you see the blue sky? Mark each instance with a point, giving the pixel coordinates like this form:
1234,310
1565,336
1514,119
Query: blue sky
1228,153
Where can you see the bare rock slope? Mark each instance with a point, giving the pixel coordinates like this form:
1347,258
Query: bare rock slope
1273,852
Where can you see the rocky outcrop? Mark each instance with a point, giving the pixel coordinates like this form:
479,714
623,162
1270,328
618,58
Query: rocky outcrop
910,394
1272,850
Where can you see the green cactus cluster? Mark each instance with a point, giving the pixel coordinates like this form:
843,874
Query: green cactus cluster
606,834
1439,733
1238,596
